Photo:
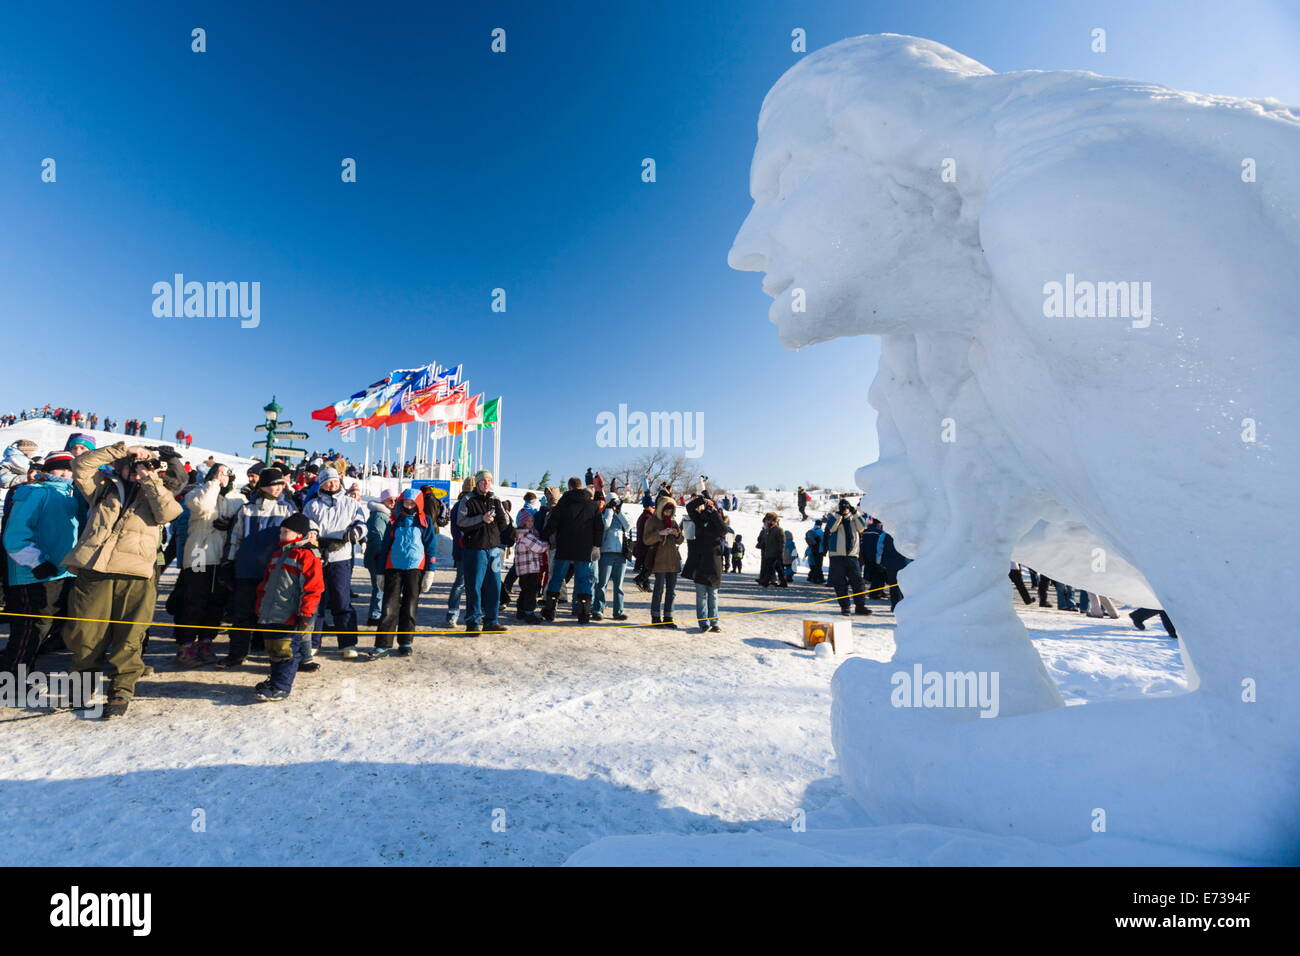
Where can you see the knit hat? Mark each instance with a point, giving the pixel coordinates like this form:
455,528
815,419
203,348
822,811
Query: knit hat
299,523
59,459
387,495
256,468
26,446
270,476
77,438
328,474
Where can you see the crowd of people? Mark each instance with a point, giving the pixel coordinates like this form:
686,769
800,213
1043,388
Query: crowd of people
87,532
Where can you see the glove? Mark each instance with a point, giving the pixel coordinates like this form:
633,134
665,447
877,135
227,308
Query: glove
357,533
221,524
426,582
45,570
330,545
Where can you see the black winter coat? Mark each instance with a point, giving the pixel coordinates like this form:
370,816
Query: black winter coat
480,521
574,526
709,532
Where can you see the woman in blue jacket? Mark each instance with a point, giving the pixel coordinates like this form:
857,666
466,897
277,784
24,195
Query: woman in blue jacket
409,549
45,518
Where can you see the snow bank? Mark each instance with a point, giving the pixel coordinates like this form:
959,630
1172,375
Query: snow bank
904,190
50,436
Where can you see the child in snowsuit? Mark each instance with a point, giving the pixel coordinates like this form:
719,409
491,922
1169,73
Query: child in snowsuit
288,597
737,554
530,561
789,557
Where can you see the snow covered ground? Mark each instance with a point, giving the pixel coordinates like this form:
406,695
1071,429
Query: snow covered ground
527,748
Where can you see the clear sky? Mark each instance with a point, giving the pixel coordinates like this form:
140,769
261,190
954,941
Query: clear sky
475,171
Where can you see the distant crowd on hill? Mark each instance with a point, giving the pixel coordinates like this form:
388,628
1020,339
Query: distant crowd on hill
79,419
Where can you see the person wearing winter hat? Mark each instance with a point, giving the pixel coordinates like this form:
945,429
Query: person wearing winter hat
342,522
380,513
17,462
287,599
44,518
79,443
841,540
204,589
409,551
116,561
771,550
457,555
614,528
481,521
574,526
250,487
254,536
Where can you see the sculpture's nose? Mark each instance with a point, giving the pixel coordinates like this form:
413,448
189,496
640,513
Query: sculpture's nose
746,255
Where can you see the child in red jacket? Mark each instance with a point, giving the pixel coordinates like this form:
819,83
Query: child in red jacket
288,596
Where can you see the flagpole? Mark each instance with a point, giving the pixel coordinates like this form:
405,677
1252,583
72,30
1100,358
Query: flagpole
496,443
401,454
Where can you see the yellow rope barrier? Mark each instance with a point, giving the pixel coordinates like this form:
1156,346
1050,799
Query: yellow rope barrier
433,633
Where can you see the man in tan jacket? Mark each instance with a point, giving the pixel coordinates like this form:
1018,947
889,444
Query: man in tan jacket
114,563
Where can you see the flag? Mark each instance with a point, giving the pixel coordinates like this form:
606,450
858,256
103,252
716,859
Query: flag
490,413
474,413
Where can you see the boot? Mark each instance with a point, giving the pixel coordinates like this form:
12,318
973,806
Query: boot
548,608
582,608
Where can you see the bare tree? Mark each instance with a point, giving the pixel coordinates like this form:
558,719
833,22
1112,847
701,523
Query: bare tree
657,465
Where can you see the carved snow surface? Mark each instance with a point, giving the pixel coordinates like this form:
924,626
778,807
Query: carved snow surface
1085,289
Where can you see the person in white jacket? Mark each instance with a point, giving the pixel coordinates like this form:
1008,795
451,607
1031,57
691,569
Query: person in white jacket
204,590
342,522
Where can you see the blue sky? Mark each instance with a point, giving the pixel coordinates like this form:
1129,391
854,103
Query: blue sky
475,171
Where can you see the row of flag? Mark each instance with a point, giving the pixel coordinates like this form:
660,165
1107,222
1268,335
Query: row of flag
433,394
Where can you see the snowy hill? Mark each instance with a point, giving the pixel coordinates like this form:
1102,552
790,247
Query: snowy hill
50,436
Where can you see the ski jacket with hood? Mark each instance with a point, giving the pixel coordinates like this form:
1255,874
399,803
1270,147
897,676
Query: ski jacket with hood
42,526
411,541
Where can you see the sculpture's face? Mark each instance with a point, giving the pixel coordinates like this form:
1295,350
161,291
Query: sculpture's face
816,205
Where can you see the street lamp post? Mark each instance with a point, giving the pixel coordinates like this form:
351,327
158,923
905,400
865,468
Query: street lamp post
274,428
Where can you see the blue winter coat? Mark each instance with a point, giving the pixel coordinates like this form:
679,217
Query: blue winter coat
45,515
411,541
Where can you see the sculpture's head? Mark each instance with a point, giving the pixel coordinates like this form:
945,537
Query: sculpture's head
851,212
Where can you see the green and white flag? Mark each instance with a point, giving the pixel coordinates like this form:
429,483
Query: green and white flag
490,413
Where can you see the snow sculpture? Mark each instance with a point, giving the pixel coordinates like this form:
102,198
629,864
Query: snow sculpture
1085,292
